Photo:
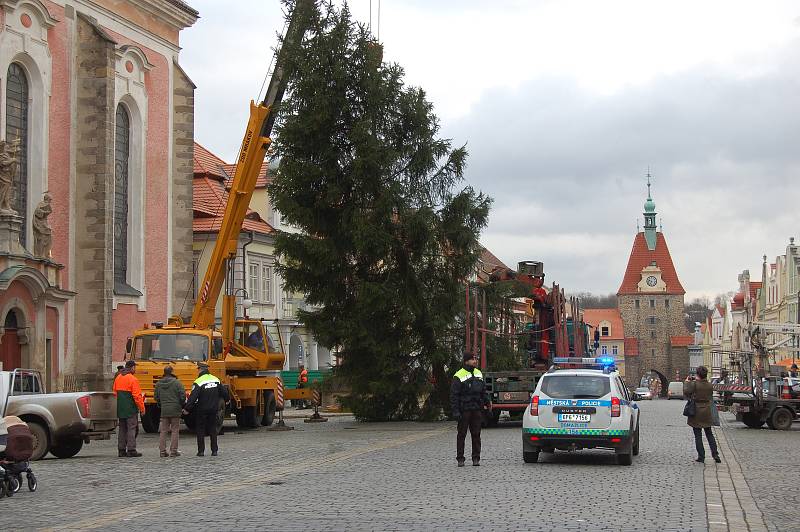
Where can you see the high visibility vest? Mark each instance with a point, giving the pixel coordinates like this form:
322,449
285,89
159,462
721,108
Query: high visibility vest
203,379
463,374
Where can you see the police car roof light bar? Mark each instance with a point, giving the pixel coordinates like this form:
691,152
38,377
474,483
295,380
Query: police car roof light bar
604,363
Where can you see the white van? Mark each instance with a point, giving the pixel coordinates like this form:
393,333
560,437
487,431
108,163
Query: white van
675,390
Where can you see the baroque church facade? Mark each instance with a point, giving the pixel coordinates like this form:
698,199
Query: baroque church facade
100,117
650,301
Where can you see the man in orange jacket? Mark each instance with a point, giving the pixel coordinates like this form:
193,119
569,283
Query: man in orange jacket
130,404
302,380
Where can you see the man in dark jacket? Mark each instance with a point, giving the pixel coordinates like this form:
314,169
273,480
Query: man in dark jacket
170,396
207,391
468,399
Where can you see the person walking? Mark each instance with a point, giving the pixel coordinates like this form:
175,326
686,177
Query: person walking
207,390
701,391
130,404
170,396
468,399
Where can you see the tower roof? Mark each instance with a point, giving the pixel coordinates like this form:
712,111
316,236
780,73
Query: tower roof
641,257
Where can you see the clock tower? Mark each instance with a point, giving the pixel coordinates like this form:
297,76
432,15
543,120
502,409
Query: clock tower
650,301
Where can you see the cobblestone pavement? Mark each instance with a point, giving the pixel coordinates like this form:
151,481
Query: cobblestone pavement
768,463
344,475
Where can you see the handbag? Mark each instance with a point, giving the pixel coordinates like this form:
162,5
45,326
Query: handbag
714,415
690,410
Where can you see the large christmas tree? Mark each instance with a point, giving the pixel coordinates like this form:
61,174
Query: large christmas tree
388,234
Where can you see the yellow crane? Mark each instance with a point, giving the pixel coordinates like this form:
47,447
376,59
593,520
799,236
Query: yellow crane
247,355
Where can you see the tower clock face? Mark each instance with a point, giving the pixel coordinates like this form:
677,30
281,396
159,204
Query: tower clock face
651,280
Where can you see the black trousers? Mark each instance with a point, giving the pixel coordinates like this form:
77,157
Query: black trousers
698,442
206,422
470,420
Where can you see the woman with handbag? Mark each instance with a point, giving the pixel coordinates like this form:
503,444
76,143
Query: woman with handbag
700,393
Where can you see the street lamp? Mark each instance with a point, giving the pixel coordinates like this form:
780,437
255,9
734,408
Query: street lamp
246,301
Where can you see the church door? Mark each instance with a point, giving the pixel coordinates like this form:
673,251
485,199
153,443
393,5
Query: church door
10,353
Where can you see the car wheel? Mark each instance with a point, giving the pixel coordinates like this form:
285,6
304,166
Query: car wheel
270,406
221,416
530,457
781,419
67,448
246,418
636,442
151,418
41,440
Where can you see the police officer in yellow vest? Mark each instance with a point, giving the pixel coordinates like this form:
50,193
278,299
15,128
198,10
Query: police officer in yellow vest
207,391
468,399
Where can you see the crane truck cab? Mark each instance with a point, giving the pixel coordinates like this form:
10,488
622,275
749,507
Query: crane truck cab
249,366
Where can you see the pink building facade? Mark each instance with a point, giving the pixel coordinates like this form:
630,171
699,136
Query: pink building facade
93,94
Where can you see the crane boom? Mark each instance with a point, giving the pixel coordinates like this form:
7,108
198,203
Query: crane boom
251,157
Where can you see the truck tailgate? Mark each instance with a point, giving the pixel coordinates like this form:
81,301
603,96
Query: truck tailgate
102,406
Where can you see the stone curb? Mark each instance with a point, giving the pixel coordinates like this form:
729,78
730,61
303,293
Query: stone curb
730,506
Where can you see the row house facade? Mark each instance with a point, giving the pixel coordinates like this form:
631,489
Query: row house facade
96,123
777,301
255,277
608,321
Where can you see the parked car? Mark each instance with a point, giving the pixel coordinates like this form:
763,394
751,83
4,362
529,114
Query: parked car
675,390
644,393
60,422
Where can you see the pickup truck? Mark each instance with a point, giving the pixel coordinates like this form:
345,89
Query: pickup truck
60,422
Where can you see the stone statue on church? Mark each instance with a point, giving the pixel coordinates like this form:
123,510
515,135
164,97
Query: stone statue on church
42,234
8,169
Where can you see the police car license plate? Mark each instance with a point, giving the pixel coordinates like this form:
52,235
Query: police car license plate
576,418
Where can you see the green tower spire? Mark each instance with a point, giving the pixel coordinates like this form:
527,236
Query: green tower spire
650,218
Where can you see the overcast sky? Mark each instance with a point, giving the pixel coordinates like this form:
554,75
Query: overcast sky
563,105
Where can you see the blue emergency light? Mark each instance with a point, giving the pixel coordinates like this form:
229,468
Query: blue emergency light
604,363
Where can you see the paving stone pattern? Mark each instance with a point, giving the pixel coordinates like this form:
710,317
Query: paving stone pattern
767,460
344,475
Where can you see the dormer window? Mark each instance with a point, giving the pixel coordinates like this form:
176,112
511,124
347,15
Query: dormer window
604,331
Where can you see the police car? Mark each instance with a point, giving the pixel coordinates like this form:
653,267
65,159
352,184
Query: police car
581,403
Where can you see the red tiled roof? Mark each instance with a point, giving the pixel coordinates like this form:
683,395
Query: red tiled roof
738,301
721,310
207,163
594,316
208,204
631,346
641,257
490,262
681,341
261,182
212,225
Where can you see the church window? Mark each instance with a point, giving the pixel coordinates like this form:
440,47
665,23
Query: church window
666,303
637,303
604,331
653,352
122,153
651,320
653,335
652,303
17,131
